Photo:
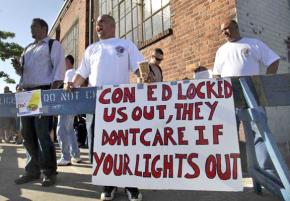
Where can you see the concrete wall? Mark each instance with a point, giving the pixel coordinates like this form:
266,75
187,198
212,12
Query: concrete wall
269,21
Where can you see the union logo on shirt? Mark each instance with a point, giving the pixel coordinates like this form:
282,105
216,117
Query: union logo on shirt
245,52
120,50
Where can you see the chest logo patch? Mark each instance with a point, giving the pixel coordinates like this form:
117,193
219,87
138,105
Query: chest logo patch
120,50
245,52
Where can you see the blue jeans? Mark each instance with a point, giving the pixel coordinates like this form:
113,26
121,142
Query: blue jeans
40,149
67,138
90,124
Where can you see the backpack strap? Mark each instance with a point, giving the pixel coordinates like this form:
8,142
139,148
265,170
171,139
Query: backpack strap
50,42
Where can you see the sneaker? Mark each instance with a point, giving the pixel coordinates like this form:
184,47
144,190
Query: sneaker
49,180
62,162
108,192
133,194
76,160
26,178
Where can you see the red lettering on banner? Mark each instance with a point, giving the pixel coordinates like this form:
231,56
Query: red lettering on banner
228,89
118,169
212,108
210,90
214,166
220,88
191,91
180,158
197,110
111,117
148,115
98,162
235,157
102,99
116,137
210,167
117,95
193,165
150,92
226,175
137,172
142,136
201,140
168,132
134,132
161,109
147,158
180,96
181,141
166,92
156,172
108,164
126,165
137,113
216,132
200,94
129,95
123,115
157,139
168,166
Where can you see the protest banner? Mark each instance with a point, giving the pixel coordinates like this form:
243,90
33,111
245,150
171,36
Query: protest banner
28,103
179,135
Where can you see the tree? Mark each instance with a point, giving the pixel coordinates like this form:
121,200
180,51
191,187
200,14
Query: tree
8,50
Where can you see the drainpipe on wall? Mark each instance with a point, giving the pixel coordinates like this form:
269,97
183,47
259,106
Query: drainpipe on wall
90,20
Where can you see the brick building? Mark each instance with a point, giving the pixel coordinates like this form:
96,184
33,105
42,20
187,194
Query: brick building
188,31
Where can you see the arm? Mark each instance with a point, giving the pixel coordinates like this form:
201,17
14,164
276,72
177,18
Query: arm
77,81
272,69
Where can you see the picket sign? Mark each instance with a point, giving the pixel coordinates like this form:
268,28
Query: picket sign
257,91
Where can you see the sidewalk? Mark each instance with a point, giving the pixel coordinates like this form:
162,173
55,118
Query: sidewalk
73,184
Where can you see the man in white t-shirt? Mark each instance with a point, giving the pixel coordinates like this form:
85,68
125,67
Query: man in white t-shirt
65,130
241,56
107,62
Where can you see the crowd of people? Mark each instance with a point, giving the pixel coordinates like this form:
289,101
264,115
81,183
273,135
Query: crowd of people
109,62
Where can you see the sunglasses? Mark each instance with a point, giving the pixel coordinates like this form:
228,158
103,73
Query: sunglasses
157,59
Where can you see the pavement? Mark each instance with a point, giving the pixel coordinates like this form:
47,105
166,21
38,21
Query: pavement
74,184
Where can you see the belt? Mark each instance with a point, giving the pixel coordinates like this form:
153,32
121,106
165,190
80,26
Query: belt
43,87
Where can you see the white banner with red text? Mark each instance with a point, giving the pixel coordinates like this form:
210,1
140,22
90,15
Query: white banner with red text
170,135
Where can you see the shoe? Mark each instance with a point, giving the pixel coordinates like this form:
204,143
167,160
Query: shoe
108,192
76,160
62,162
26,178
133,194
49,180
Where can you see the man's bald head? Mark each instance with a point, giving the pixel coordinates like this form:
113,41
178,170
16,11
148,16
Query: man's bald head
105,27
230,30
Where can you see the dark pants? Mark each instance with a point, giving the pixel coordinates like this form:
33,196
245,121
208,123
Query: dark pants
90,124
40,149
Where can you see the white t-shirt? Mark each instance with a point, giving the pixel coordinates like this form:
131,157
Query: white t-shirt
243,58
108,62
69,74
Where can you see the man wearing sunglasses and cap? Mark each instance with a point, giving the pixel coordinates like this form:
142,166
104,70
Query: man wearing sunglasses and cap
155,74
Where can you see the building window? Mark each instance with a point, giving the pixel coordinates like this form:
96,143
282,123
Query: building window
138,20
70,42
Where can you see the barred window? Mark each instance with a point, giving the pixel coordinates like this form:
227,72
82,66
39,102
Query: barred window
138,20
70,42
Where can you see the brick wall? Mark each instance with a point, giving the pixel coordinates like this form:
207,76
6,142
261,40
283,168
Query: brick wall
268,20
75,11
196,36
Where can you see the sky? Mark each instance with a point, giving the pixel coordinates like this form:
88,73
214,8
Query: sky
16,16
